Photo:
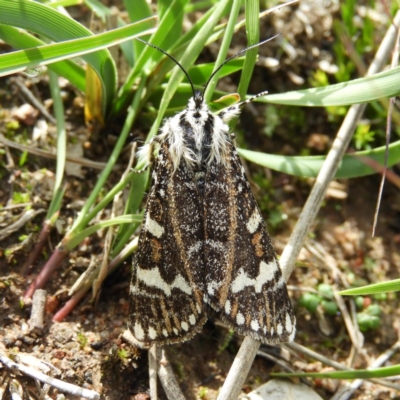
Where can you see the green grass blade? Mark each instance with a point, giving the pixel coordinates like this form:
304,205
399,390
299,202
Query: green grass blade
200,73
137,10
383,372
89,210
62,3
142,12
352,165
73,240
183,42
55,205
58,107
149,56
49,23
177,51
382,287
20,39
253,37
383,85
134,200
222,54
20,60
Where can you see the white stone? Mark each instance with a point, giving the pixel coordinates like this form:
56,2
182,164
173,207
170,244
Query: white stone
278,389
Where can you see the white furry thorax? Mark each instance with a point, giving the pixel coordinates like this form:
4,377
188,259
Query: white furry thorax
185,133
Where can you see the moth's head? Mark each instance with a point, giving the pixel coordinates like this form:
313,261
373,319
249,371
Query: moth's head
196,103
198,99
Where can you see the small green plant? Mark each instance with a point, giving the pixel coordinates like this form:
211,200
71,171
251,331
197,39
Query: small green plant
324,299
20,198
369,319
363,137
82,340
202,393
123,354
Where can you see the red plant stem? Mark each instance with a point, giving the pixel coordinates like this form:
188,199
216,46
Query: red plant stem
71,303
44,234
55,260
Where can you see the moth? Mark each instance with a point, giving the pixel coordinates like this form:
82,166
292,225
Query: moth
203,243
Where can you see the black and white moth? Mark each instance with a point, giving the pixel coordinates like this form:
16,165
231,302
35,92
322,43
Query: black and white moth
203,242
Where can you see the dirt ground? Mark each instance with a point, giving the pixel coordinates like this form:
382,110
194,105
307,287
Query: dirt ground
87,348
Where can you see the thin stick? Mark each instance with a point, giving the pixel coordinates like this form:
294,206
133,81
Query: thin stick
395,61
283,364
239,369
167,377
34,101
43,153
25,217
153,371
242,364
63,386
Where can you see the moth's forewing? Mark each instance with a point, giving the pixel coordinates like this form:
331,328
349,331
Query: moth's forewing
166,291
243,278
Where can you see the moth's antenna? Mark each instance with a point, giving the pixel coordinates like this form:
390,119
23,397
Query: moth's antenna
237,55
172,58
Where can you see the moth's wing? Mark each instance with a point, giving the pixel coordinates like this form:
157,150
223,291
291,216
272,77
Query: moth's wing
243,278
166,292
